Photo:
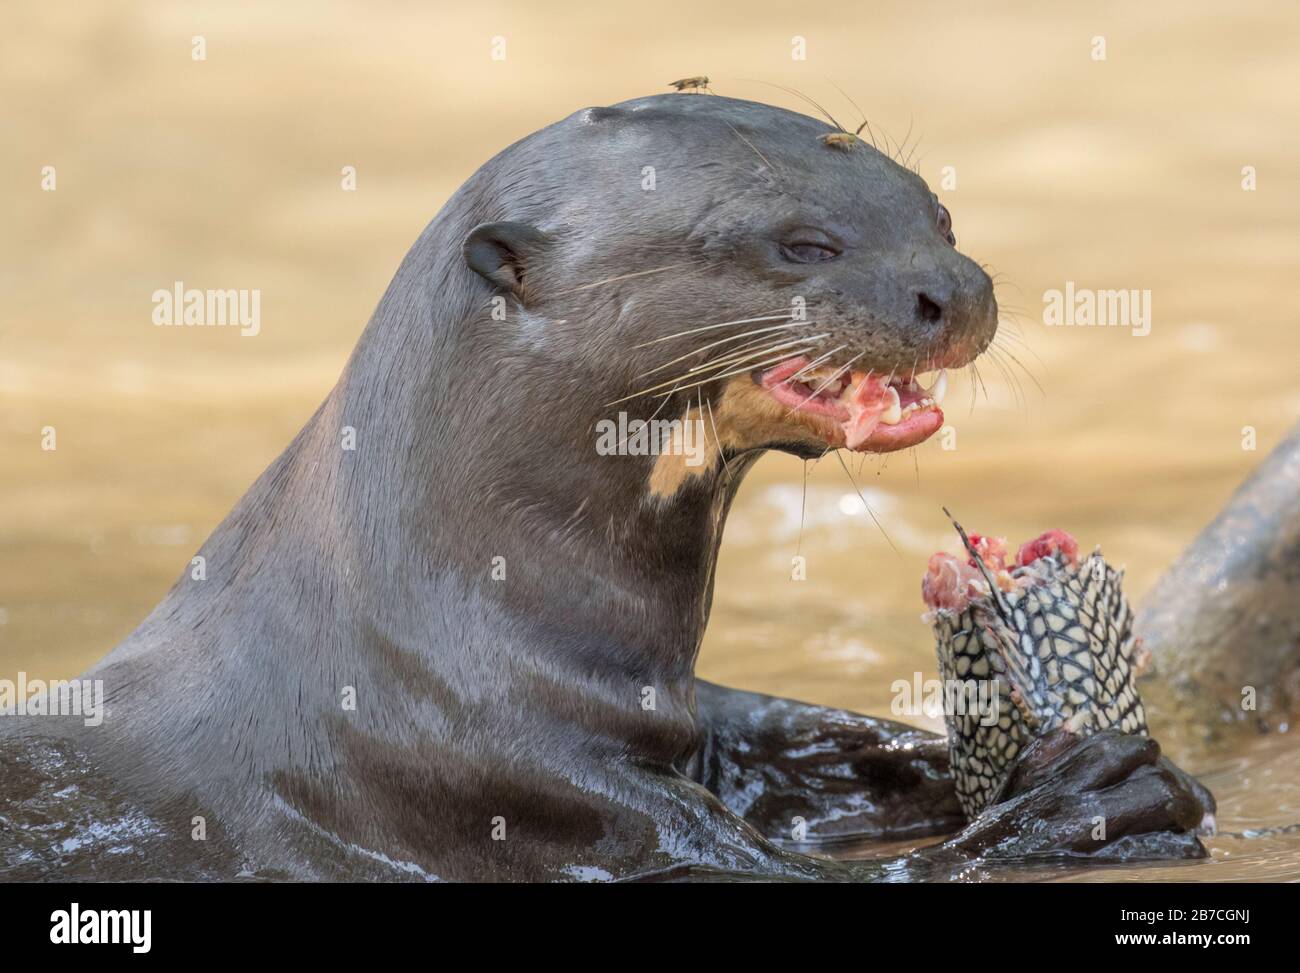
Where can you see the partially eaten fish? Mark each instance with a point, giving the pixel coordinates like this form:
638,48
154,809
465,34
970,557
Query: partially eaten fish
1053,633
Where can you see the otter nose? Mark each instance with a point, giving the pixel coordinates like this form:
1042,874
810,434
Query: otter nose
953,300
927,308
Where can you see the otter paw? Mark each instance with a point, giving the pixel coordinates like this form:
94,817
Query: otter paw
1108,796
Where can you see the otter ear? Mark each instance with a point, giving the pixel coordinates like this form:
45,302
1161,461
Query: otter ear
500,252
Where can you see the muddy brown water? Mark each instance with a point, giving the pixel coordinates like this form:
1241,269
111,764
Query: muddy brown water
1125,173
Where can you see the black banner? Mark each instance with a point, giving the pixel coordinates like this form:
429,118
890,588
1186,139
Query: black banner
213,922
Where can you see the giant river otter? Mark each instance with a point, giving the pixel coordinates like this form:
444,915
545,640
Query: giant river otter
446,636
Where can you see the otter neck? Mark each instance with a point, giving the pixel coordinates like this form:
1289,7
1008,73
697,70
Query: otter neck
501,505
568,556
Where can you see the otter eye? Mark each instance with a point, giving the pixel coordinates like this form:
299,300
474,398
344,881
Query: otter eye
944,223
809,248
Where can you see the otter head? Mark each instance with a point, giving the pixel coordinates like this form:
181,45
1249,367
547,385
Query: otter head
724,263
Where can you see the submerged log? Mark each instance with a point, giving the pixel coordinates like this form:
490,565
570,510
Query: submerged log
1223,623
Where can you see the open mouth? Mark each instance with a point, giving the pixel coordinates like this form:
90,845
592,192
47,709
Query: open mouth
862,411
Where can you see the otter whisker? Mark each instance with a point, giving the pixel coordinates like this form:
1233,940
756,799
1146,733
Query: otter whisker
861,114
840,372
725,324
749,347
729,338
1001,355
871,513
911,121
800,95
916,166
753,349
1009,379
999,278
746,368
730,360
1005,337
871,133
803,510
1007,352
722,453
814,363
1028,374
1019,340
1013,360
1017,336
738,356
752,146
980,379
834,378
659,408
1012,315
611,280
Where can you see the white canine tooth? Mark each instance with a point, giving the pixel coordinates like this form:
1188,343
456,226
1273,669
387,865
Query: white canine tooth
893,413
940,387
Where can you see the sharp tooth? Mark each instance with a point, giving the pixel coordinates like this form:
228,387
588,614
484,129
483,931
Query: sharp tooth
940,387
893,414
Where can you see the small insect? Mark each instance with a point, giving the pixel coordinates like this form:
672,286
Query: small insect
692,85
842,140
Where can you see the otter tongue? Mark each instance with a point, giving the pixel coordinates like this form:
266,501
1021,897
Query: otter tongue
869,398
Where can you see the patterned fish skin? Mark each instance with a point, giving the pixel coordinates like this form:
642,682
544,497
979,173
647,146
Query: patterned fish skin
1060,649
